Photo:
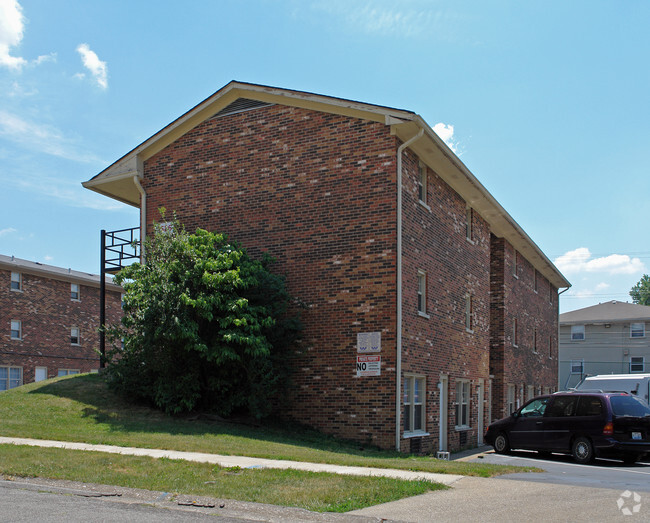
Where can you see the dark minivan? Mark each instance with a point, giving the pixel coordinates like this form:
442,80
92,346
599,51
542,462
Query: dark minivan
583,424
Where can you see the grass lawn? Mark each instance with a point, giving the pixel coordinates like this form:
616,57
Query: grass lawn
318,492
81,408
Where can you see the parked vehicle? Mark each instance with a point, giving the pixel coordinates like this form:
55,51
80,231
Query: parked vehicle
583,424
637,384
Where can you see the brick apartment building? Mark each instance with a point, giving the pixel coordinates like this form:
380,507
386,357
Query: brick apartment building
413,274
50,318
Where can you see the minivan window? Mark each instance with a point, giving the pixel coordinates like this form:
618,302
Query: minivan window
534,408
562,406
629,406
589,406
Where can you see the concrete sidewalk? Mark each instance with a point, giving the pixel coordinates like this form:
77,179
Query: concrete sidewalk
238,461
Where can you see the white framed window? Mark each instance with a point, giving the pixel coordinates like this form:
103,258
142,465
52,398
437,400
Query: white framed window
637,364
462,403
515,333
530,393
16,330
414,405
75,336
637,330
514,264
40,373
469,215
10,377
422,183
469,313
577,332
67,372
511,398
577,366
16,281
74,292
422,292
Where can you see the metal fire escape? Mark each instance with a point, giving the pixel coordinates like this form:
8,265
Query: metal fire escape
118,249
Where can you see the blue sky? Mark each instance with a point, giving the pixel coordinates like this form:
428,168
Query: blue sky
546,102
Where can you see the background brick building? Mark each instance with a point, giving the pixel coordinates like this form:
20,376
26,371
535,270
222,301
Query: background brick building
386,236
50,318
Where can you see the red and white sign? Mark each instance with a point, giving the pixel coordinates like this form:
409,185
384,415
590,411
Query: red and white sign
368,365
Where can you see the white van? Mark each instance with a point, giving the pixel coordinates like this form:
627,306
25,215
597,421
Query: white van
638,384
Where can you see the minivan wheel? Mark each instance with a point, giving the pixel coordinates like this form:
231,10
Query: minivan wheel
501,444
583,450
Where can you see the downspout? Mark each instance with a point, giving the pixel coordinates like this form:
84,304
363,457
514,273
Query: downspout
143,215
398,364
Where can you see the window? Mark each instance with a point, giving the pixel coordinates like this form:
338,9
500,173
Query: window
10,377
462,403
535,288
515,333
74,291
562,406
414,404
511,399
422,184
577,366
589,406
535,340
530,393
422,292
67,372
514,265
550,346
16,281
534,408
468,313
16,330
468,221
637,364
637,330
75,338
577,332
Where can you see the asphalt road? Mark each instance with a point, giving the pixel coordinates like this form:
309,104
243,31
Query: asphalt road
560,469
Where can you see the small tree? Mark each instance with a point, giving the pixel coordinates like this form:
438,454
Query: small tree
640,293
204,326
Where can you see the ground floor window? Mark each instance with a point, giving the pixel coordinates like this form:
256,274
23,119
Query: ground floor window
511,399
66,372
637,364
414,390
462,403
10,377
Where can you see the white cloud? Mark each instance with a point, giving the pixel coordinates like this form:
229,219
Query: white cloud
8,230
40,137
446,133
12,26
580,260
97,68
389,18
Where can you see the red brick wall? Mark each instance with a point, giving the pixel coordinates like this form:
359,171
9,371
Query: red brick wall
520,364
47,313
318,192
435,241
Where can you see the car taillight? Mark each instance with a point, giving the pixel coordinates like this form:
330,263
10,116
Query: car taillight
608,429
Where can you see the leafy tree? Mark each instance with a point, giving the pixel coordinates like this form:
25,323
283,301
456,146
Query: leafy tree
640,293
204,326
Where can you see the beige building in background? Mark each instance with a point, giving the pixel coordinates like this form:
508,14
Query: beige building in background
609,338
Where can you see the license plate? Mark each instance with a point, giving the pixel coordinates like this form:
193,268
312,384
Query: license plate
636,435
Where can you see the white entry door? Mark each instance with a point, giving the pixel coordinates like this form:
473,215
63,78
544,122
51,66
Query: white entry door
40,373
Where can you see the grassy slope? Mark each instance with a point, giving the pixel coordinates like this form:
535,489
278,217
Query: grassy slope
81,408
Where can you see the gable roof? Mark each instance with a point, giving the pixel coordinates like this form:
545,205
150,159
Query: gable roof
609,312
120,180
